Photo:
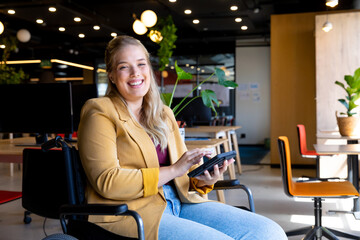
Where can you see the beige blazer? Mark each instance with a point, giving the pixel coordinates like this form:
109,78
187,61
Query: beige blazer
121,165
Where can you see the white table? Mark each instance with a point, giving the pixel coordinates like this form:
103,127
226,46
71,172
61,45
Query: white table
352,150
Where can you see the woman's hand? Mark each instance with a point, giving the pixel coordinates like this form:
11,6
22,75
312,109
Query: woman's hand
188,159
211,178
181,167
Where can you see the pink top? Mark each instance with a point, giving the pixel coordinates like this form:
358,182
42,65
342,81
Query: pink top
163,156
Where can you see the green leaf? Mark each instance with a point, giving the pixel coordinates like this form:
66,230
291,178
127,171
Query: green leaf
340,84
343,101
209,98
166,97
220,74
181,74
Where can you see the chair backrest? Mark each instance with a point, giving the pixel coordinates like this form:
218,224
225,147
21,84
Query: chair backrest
302,139
285,163
49,181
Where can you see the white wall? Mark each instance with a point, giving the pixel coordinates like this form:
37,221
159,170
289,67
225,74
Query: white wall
253,94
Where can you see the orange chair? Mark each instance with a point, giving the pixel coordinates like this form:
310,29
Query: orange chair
305,153
315,190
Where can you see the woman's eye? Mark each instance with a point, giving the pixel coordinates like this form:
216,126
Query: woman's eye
141,64
122,67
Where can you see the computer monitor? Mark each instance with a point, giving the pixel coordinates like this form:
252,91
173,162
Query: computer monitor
194,114
40,108
80,94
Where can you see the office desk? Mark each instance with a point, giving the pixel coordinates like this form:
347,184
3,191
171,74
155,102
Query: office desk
352,150
226,132
11,153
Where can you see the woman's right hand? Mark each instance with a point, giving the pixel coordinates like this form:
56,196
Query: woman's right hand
188,159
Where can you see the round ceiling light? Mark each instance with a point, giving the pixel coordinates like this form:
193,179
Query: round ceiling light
139,27
23,35
149,18
1,27
155,36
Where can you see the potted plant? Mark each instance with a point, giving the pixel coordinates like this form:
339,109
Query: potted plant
208,96
347,122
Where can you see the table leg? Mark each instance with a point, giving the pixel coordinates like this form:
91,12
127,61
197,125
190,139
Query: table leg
236,147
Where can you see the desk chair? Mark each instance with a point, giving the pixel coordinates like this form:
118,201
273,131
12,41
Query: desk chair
53,187
306,153
315,190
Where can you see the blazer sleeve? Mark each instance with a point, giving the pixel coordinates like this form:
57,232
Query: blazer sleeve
97,143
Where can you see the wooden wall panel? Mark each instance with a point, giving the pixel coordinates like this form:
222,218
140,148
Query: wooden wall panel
292,81
337,54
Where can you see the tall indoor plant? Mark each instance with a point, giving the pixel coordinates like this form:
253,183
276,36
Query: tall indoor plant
347,122
208,96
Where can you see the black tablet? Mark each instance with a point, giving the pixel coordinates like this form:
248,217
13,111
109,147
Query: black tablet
209,164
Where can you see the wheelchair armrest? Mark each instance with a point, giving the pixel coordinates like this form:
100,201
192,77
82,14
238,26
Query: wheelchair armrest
101,209
226,184
94,209
235,184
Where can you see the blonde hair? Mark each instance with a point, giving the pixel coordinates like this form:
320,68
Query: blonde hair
152,115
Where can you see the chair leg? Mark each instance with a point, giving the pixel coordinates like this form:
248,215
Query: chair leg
311,234
299,231
343,234
328,234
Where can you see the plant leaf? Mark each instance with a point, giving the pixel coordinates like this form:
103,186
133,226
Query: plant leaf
220,74
343,101
181,74
166,97
209,98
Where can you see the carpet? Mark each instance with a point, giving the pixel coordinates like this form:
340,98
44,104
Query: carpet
7,196
252,154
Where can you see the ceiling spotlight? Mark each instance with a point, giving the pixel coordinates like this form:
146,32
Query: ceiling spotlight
149,18
11,11
96,27
77,19
187,11
139,27
238,19
234,8
196,21
256,10
61,29
113,34
52,9
172,1
39,21
327,26
81,35
244,27
2,46
331,3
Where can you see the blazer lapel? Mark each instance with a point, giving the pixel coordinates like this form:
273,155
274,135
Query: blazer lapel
137,133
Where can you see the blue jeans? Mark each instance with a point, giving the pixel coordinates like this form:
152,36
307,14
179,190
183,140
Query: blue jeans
213,221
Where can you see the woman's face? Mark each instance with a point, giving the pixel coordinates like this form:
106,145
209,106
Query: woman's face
131,73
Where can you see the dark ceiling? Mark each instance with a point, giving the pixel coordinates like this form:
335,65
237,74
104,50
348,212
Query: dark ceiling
216,32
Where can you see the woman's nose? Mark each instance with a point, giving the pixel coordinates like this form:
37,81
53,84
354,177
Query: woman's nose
135,71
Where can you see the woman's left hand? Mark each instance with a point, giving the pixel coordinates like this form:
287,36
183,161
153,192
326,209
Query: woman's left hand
211,178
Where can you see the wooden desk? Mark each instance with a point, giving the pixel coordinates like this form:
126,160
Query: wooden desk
226,132
212,144
352,150
11,153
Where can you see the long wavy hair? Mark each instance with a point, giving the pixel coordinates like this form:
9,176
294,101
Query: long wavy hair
152,116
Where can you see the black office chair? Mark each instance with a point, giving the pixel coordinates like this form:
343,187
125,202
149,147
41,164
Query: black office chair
53,187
